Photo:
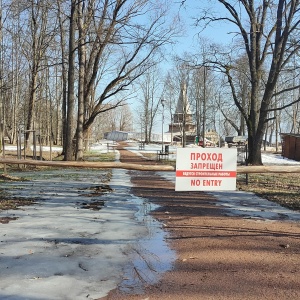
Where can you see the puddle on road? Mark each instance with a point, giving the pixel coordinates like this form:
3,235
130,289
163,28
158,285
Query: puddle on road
150,256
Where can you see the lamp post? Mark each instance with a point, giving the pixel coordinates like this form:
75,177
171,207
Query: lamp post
204,105
162,101
220,120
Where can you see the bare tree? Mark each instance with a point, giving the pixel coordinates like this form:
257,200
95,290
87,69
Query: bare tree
151,90
267,31
81,79
41,36
203,96
119,118
111,44
124,118
64,71
121,47
171,94
71,85
240,76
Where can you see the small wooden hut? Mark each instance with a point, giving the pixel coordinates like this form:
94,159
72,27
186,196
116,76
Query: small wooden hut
291,146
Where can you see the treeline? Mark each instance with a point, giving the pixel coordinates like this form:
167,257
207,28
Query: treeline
65,62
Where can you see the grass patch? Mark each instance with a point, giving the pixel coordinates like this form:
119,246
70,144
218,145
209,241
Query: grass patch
14,203
99,157
8,202
153,156
282,188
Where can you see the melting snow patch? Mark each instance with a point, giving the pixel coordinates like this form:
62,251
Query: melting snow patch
57,250
249,205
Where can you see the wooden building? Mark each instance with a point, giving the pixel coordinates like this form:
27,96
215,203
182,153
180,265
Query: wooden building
183,119
291,146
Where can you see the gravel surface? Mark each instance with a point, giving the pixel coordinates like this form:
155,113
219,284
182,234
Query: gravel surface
218,256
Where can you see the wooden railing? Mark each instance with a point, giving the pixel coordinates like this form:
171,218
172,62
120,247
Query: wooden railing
268,169
83,164
128,166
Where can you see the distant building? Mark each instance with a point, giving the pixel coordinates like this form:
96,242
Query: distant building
183,122
116,136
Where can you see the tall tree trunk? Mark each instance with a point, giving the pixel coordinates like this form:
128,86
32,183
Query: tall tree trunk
33,78
15,94
71,84
64,81
31,106
81,58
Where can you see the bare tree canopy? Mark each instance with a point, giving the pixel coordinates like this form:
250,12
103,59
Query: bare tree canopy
65,62
267,32
120,41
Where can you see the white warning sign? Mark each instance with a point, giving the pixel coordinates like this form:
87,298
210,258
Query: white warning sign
206,169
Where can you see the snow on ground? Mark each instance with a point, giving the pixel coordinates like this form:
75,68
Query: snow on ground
58,250
277,159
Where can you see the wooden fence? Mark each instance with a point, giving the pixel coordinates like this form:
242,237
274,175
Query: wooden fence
128,166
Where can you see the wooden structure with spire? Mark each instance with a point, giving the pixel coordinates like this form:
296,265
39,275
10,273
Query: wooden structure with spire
183,128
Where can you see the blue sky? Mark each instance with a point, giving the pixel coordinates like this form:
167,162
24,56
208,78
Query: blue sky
218,32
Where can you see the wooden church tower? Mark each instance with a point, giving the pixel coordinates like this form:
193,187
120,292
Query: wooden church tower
183,125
